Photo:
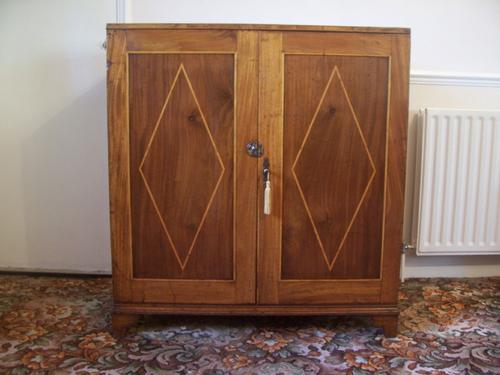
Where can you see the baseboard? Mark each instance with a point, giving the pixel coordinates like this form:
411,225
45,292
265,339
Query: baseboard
452,266
451,272
53,272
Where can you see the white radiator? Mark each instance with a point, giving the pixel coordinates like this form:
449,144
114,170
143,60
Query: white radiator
458,195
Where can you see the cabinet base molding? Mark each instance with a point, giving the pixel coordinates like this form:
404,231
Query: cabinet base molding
159,309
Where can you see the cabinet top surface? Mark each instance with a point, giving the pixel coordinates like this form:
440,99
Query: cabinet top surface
225,26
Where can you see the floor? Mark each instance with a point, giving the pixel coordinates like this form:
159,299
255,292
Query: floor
51,325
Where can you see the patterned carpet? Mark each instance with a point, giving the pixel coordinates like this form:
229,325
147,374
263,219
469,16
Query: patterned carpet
61,325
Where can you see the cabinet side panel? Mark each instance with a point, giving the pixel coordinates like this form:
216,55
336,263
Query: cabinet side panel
118,150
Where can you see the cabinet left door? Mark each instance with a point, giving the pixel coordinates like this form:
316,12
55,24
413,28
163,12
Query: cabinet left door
182,104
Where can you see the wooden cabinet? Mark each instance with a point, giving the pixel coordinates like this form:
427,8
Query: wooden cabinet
329,105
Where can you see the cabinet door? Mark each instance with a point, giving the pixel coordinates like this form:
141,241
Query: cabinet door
182,105
333,116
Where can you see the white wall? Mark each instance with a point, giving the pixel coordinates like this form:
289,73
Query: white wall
53,173
53,211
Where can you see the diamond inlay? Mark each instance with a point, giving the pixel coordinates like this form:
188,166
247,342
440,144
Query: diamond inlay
181,167
332,196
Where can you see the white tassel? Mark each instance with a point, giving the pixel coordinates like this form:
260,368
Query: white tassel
267,198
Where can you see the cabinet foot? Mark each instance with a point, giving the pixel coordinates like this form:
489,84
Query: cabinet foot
389,324
122,322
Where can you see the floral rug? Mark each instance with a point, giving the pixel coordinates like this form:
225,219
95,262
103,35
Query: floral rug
51,325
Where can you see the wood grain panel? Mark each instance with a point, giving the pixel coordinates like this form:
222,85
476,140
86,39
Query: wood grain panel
182,41
333,166
118,156
271,136
182,165
180,157
247,169
336,43
217,93
292,268
329,292
333,169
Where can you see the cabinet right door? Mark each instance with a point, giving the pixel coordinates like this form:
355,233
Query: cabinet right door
333,119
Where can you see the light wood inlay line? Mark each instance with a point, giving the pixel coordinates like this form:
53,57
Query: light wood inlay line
129,268
235,189
370,180
182,264
387,125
